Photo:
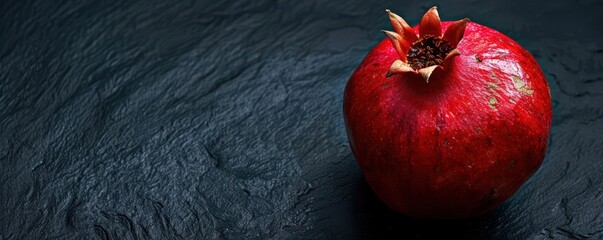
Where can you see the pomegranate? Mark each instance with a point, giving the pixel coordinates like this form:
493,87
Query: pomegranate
449,122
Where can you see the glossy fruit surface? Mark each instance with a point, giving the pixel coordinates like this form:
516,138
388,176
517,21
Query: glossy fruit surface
447,134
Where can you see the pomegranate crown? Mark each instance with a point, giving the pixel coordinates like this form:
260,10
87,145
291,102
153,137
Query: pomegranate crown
430,50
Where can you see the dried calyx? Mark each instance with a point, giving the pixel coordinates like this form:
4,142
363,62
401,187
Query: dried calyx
427,52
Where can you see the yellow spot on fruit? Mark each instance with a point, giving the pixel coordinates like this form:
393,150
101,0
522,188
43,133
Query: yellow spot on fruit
492,103
491,86
493,75
520,85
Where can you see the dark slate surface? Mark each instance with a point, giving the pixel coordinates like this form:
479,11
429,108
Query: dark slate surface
222,119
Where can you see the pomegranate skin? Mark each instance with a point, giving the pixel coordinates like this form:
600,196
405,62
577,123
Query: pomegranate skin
458,145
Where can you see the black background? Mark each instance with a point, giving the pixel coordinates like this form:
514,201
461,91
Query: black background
223,119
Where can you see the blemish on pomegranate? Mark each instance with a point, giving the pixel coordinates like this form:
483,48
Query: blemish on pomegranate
479,130
491,86
477,58
512,163
440,123
520,85
489,141
494,77
492,102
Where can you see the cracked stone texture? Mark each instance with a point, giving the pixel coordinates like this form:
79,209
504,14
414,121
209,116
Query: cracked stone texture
223,119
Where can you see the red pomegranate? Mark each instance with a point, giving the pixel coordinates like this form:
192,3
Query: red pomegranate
449,122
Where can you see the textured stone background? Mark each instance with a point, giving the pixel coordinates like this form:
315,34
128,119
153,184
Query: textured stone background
222,119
